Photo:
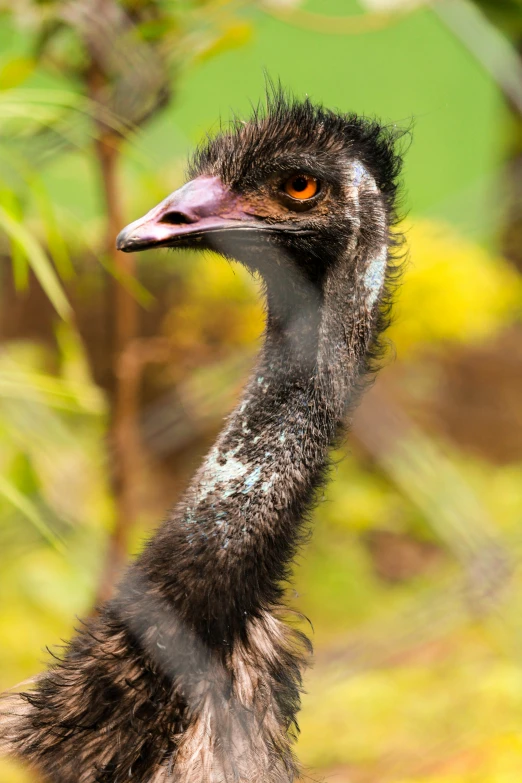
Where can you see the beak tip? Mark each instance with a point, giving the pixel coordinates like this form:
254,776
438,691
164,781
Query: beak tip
122,242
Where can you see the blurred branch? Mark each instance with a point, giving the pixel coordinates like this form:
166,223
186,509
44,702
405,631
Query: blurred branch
123,316
434,484
135,82
486,42
135,354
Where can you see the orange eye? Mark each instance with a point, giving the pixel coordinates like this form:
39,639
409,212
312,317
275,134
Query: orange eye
301,186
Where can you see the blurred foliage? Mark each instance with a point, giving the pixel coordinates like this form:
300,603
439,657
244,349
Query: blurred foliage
507,14
54,504
412,576
454,291
118,60
200,321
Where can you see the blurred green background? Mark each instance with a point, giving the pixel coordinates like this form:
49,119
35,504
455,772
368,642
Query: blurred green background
115,373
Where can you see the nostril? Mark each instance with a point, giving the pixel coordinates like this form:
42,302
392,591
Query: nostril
175,218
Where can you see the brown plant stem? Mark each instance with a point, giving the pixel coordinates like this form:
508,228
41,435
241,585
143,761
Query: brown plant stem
123,327
135,355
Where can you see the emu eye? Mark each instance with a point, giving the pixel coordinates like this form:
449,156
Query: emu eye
301,186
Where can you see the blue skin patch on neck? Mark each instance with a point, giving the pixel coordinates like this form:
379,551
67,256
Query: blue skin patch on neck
374,277
359,173
250,480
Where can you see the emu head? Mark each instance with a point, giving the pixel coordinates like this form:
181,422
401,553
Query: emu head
297,188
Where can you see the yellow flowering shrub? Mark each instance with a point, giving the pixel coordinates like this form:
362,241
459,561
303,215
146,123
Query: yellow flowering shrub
452,290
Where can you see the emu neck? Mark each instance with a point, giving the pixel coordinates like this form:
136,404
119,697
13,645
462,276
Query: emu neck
223,555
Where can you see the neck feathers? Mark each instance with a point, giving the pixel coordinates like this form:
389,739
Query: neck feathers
230,542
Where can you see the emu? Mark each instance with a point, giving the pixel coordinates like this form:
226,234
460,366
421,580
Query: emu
191,673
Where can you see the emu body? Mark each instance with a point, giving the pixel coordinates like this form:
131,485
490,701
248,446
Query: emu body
190,673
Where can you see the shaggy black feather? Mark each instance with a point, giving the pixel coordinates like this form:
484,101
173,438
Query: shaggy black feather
191,674
283,127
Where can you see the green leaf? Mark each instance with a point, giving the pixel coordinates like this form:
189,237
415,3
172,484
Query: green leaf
11,493
80,397
55,241
128,281
16,71
233,36
155,29
39,262
18,255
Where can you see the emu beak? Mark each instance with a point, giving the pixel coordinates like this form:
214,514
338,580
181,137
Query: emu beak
202,206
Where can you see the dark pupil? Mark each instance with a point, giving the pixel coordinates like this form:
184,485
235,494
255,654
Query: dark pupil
300,184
